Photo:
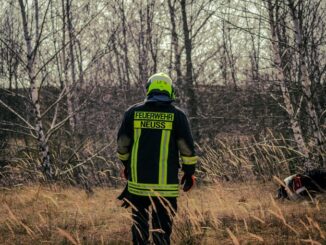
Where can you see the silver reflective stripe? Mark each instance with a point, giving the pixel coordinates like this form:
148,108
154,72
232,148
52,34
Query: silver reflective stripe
171,187
123,157
151,192
189,160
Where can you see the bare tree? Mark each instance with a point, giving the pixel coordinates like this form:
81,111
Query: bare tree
176,62
10,48
188,80
297,14
281,50
79,72
228,55
32,49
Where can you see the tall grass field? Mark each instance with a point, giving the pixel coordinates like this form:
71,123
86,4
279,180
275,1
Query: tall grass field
223,213
233,202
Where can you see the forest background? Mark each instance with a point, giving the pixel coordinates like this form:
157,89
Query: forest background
249,74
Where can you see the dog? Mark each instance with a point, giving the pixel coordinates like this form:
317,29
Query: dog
307,184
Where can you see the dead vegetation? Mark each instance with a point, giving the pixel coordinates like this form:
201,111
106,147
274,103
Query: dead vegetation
233,202
237,213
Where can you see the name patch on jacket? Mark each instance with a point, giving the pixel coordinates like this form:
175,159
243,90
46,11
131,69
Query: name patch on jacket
153,120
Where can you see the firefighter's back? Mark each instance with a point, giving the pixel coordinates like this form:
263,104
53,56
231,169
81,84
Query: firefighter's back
154,156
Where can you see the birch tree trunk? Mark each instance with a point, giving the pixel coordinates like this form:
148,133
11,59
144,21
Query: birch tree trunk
34,92
305,80
296,129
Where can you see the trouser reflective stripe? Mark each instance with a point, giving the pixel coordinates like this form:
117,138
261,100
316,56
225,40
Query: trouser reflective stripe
164,153
134,154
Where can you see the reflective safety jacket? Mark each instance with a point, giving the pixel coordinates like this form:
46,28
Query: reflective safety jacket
151,136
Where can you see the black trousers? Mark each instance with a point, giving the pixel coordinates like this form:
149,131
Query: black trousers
162,212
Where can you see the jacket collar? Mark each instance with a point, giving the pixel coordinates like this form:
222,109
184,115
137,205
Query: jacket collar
158,98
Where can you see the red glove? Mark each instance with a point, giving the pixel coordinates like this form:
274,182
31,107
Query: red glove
187,181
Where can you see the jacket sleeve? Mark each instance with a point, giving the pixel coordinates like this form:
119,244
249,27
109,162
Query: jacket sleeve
124,138
185,144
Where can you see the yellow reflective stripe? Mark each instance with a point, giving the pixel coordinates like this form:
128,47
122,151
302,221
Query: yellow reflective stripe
123,157
134,154
153,192
164,153
189,160
172,187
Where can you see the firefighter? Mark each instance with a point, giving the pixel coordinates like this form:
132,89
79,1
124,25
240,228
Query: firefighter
151,137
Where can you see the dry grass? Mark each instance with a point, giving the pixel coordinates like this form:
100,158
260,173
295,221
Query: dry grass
239,211
225,213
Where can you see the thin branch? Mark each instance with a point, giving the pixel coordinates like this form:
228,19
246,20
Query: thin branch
18,132
62,94
38,43
66,44
202,25
62,122
13,51
17,114
86,160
